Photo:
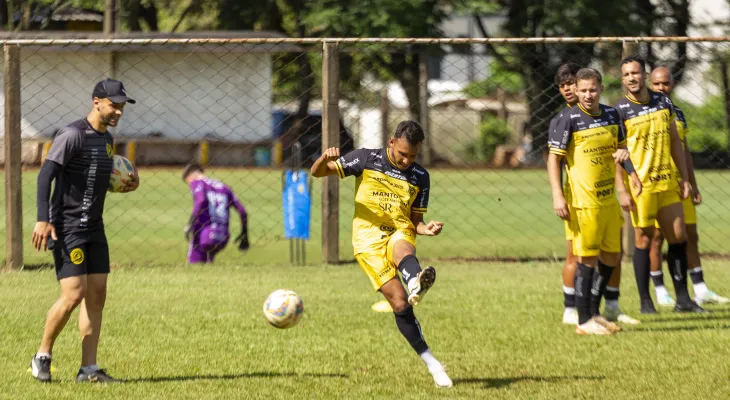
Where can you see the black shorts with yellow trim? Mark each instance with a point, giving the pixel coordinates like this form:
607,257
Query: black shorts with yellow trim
378,264
76,254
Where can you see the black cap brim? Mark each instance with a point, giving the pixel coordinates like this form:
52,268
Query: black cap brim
121,99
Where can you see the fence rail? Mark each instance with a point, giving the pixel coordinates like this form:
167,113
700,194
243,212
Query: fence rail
238,105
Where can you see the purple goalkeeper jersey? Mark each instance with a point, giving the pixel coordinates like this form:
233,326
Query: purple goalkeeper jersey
211,201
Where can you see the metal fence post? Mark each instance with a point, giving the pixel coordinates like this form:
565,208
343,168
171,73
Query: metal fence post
330,138
13,154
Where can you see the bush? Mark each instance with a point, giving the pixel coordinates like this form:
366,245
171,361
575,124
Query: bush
493,132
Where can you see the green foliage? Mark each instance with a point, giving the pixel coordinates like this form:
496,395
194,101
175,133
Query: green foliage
499,77
707,126
493,131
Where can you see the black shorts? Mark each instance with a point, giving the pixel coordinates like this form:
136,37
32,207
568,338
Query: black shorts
77,254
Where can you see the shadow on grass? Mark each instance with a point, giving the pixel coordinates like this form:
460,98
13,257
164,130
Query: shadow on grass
676,328
182,378
496,383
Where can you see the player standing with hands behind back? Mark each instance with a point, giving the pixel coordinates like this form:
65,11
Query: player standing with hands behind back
80,161
391,196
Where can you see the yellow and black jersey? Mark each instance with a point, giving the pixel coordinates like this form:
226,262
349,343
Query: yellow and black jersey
683,130
565,182
648,139
385,196
588,141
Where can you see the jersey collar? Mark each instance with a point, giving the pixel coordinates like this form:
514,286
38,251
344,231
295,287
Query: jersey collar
600,111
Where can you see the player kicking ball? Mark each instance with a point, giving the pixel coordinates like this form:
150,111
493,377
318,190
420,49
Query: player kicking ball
207,230
591,140
391,197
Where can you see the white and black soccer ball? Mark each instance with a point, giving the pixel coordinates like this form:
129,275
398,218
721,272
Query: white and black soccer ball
283,308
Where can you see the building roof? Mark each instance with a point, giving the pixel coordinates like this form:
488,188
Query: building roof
156,41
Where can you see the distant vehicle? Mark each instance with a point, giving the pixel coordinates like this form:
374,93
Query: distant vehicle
309,136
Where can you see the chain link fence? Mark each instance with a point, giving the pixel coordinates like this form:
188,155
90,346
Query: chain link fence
239,106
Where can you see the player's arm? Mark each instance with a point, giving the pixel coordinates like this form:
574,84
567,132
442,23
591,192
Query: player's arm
679,159
432,228
66,144
624,196
696,196
558,140
325,164
242,238
198,203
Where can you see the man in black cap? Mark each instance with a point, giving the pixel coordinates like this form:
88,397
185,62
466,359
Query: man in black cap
80,161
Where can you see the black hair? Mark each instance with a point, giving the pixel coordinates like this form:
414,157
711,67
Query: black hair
190,168
411,130
636,59
566,72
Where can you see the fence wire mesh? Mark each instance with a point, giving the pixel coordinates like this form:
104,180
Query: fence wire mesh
240,108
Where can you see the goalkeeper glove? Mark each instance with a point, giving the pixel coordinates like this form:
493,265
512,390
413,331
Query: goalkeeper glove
242,239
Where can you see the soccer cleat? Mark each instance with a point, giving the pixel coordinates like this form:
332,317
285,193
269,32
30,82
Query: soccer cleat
570,316
611,326
710,297
647,306
616,315
441,379
689,306
40,368
665,300
99,376
419,285
592,327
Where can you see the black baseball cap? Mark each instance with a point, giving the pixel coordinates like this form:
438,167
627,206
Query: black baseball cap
113,90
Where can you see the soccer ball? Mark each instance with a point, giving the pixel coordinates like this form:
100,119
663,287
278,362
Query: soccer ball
283,308
121,168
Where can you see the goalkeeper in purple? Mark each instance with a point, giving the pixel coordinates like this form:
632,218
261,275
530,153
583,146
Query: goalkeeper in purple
207,229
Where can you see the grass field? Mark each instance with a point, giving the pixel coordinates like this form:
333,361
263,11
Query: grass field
487,213
198,332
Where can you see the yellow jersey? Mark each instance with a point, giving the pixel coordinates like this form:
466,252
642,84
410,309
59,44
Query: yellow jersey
385,196
588,141
649,141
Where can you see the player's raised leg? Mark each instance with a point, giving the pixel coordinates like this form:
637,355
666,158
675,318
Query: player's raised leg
73,289
418,280
657,276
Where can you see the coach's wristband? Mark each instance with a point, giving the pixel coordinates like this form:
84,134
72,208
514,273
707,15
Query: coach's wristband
628,166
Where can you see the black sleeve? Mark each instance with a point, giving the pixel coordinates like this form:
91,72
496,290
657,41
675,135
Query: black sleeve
66,144
352,163
560,135
48,173
420,205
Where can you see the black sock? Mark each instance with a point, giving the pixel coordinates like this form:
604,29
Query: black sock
612,294
642,270
409,267
409,328
657,278
677,260
600,281
583,283
569,299
697,275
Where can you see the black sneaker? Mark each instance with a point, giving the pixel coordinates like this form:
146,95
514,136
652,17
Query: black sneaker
647,307
40,367
97,376
689,306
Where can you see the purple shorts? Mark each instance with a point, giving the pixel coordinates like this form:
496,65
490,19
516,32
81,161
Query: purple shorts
206,244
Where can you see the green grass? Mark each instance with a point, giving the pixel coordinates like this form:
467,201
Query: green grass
487,213
198,332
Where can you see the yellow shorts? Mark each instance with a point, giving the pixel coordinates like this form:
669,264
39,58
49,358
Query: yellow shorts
690,213
378,265
568,227
596,230
649,204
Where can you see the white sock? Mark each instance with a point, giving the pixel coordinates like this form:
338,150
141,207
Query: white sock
661,291
432,363
39,355
568,290
700,289
656,273
89,368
